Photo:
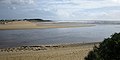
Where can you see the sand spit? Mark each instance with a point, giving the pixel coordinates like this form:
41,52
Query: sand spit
47,52
18,25
37,25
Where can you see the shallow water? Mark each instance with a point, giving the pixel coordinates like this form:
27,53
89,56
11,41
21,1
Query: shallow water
13,38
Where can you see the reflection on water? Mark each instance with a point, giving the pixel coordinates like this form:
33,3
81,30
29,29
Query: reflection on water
13,38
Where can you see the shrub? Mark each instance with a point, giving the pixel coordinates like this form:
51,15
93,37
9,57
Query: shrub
109,49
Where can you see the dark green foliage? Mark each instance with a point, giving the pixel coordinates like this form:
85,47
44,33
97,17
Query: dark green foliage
109,49
37,20
93,55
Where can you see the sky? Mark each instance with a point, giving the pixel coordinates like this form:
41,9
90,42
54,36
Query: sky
60,9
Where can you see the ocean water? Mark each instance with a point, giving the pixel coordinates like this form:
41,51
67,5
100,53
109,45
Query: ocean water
14,38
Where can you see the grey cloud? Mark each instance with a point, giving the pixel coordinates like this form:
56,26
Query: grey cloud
17,2
94,0
57,9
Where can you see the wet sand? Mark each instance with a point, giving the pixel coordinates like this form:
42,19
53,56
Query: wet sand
47,52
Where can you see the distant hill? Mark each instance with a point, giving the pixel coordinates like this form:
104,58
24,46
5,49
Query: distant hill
37,20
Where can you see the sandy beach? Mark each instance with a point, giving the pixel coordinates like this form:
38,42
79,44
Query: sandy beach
47,52
37,25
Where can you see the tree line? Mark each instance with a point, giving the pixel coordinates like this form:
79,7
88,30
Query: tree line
4,21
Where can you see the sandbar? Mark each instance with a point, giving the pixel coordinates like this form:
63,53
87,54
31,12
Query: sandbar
41,25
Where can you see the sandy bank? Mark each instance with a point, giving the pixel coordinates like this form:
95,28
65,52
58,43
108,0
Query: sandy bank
37,25
48,52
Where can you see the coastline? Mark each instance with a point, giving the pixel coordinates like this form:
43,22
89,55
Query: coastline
75,51
48,52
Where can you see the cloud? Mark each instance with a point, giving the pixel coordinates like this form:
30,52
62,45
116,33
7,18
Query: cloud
17,2
112,15
64,9
12,8
116,1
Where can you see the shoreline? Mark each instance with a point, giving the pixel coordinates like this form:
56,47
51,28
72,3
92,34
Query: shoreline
54,52
43,47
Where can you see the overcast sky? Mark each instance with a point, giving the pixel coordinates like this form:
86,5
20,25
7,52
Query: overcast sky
60,9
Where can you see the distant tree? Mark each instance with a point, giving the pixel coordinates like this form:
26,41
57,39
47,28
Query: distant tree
109,49
37,20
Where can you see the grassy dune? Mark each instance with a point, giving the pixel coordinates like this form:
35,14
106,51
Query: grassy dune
32,25
58,52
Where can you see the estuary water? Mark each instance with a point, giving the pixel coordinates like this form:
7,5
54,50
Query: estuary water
14,38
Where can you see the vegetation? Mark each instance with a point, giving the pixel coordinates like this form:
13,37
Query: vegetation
37,20
31,20
109,49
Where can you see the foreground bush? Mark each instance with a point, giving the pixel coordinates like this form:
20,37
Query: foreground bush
109,49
